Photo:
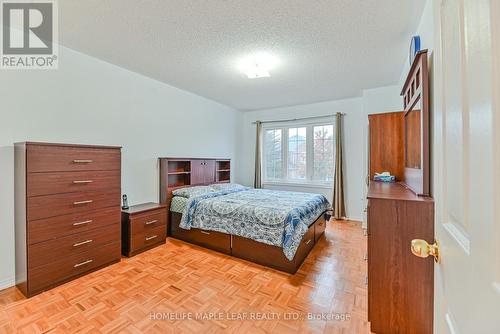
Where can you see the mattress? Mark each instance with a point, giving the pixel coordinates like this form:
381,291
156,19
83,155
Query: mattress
277,218
178,204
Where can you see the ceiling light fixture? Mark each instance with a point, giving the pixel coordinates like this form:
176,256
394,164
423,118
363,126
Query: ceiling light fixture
258,65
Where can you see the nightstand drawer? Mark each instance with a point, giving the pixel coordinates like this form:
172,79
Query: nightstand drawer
148,238
148,221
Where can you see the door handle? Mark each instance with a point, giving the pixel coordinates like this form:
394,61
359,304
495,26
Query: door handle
421,248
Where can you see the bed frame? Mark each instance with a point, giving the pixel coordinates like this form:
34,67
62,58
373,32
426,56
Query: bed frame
247,249
176,173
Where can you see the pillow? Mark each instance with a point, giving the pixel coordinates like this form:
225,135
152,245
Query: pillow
227,186
189,192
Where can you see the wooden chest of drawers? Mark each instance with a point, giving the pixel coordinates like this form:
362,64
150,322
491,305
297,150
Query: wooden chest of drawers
67,200
144,226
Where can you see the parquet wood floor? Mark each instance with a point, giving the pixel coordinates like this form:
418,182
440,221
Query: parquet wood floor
152,292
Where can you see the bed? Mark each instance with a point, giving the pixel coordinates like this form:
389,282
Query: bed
277,229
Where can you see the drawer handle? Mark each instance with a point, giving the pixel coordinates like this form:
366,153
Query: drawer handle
151,222
82,263
83,161
83,223
205,232
83,243
308,241
151,238
82,181
83,202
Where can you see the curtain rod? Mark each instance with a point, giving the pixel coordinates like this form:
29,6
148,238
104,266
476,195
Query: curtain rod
298,119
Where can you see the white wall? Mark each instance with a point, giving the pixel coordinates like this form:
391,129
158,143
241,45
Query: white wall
353,149
382,100
90,101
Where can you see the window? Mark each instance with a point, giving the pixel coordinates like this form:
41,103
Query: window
323,156
272,154
299,152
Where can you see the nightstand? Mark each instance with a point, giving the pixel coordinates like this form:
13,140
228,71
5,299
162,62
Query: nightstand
144,226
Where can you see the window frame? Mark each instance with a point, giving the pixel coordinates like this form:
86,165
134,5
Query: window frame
284,126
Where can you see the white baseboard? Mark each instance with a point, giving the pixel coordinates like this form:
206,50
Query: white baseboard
7,283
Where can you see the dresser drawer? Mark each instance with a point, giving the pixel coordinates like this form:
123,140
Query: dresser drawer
47,276
67,182
54,205
61,226
148,238
48,251
147,221
50,158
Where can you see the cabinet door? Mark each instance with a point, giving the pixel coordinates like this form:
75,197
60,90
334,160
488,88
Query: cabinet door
209,171
197,172
387,144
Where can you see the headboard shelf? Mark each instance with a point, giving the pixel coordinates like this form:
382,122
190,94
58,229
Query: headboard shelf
179,166
223,171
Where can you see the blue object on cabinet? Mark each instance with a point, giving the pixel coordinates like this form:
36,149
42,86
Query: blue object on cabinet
414,47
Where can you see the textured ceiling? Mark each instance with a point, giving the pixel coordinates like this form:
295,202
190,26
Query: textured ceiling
328,49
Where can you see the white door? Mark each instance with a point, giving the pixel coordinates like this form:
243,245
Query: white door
466,156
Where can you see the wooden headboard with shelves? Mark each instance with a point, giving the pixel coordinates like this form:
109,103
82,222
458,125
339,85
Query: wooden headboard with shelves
184,172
